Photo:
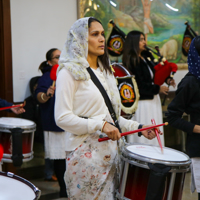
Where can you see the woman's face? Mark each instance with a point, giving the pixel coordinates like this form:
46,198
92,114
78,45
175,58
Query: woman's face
96,39
55,58
142,43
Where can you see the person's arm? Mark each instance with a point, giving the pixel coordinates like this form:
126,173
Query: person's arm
196,129
4,103
184,95
43,97
44,90
170,81
18,110
65,118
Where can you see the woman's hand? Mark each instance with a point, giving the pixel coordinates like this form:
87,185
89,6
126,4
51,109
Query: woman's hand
164,90
50,91
18,110
150,134
196,129
171,81
111,131
44,97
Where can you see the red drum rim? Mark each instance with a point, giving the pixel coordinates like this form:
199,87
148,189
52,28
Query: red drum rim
18,178
142,161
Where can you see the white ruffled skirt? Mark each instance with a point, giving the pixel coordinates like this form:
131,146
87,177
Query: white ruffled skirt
147,110
54,144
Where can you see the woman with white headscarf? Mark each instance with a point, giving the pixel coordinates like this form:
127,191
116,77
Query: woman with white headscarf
187,100
80,110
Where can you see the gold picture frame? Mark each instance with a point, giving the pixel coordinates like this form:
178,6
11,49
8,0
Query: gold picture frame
80,8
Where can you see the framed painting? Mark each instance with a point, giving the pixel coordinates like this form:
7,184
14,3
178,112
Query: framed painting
162,21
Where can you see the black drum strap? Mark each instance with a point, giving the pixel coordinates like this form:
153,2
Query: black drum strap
105,96
156,184
17,146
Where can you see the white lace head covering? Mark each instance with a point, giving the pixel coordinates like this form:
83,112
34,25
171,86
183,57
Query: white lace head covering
75,51
74,58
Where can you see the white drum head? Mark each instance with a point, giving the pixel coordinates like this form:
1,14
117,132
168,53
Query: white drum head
12,189
153,154
11,122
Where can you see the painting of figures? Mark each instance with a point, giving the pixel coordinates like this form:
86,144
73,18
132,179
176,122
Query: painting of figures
162,21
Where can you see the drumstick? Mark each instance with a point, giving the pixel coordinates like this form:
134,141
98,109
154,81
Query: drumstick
157,135
13,106
135,131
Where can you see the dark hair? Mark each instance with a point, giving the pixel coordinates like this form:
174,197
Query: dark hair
49,56
131,49
103,58
197,44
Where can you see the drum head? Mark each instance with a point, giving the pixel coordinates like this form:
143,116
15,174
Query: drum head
17,188
153,154
11,122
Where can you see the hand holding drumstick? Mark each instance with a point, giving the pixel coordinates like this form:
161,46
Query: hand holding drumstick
150,133
148,127
17,109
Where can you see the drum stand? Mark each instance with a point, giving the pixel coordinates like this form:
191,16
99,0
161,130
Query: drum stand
171,186
124,180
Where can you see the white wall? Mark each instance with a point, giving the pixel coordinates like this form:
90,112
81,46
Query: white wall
37,26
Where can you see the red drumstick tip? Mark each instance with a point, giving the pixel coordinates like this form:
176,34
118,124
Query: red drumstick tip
1,152
166,123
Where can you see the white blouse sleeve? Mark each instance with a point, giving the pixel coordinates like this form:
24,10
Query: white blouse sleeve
66,87
127,125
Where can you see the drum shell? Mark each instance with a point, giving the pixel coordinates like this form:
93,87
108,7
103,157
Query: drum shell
137,183
27,138
138,175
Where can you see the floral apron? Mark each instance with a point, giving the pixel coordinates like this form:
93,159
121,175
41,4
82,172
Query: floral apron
91,170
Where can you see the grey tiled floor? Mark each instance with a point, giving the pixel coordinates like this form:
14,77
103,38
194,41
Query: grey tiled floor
50,189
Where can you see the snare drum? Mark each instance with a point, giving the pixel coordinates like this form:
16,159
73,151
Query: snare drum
17,188
7,124
135,174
